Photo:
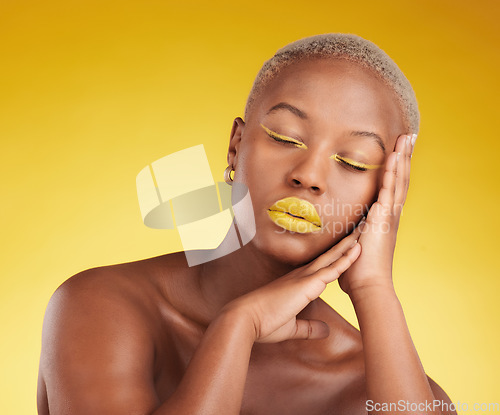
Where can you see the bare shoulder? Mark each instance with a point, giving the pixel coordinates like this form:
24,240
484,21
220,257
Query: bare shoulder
352,395
103,295
442,400
98,343
355,401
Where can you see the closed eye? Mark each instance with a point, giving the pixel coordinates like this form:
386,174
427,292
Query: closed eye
283,138
356,165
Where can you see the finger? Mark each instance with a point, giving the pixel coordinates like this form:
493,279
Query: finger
310,329
335,252
335,270
413,141
408,167
386,193
402,177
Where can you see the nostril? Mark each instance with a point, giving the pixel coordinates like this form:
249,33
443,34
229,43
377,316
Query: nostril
296,182
315,188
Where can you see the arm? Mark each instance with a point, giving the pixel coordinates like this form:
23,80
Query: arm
98,357
97,354
215,378
393,369
98,351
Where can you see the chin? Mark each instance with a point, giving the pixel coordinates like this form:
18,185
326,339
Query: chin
288,248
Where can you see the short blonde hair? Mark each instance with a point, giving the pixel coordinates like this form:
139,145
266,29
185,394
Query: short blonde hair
342,46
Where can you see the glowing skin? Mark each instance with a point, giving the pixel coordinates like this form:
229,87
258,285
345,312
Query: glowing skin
283,138
296,215
356,164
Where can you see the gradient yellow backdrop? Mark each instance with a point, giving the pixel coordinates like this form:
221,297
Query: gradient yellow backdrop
92,91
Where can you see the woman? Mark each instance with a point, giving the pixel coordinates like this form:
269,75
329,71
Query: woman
330,121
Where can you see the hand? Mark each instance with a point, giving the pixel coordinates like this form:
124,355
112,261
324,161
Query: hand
272,309
379,230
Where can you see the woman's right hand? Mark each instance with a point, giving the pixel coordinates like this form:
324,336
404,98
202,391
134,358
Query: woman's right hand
272,308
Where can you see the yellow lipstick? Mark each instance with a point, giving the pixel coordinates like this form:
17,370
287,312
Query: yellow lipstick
296,215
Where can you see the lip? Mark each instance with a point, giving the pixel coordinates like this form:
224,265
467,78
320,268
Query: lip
296,215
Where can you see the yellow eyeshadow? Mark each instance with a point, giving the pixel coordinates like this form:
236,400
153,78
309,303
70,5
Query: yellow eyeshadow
280,137
355,163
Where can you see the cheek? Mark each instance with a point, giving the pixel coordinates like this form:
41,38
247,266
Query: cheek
256,171
373,186
353,198
257,167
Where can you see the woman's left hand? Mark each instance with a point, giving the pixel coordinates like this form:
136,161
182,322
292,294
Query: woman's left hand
379,230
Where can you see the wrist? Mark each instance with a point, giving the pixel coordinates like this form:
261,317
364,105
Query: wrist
370,289
238,319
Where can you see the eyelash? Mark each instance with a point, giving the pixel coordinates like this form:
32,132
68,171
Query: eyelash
348,165
278,137
343,161
280,140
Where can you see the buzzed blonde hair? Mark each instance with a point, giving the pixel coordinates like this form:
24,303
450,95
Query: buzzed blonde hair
342,46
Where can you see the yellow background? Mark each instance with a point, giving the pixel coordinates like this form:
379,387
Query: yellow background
92,91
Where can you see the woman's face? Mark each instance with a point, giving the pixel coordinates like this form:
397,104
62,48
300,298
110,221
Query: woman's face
342,122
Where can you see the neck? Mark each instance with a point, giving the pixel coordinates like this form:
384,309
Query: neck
207,288
224,279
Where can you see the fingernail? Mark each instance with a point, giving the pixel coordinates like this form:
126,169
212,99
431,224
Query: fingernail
397,157
413,139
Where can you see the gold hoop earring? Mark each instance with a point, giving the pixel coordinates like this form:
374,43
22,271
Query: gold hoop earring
227,175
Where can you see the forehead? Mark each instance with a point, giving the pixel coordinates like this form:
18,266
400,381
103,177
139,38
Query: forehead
334,93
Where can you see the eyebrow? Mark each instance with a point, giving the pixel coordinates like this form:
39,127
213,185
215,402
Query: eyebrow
301,114
377,138
288,107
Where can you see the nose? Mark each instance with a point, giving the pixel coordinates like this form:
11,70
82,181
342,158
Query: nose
309,173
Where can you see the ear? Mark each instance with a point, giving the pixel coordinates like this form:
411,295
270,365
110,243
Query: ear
234,141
